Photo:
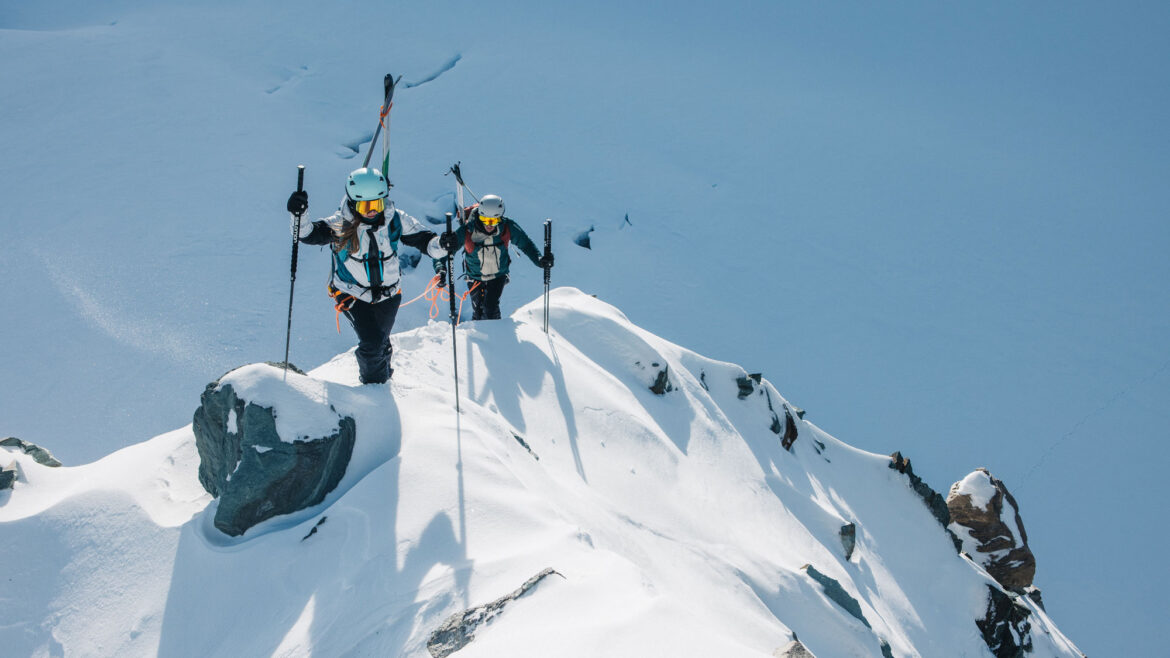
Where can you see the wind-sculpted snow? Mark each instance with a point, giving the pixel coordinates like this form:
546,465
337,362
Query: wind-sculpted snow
679,522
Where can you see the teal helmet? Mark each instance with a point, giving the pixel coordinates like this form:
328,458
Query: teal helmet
366,184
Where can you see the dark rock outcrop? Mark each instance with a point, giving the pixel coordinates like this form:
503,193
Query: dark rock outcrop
982,508
1005,626
836,593
747,384
39,454
1035,595
790,432
662,384
459,629
934,501
8,476
849,539
793,649
255,474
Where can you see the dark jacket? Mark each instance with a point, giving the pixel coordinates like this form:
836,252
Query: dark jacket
485,255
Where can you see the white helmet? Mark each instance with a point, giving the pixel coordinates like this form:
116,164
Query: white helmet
491,206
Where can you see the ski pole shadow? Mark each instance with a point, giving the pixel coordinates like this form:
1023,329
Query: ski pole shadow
513,370
558,377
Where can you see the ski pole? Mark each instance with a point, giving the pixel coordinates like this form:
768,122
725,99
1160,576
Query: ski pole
451,295
385,111
547,269
293,277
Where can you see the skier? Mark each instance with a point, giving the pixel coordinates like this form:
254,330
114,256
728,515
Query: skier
364,234
485,238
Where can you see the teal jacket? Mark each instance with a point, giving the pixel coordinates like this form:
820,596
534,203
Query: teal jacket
485,255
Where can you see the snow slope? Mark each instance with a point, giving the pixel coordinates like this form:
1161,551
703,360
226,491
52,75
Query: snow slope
677,523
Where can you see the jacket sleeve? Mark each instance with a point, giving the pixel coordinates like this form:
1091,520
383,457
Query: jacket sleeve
321,233
521,240
460,236
415,235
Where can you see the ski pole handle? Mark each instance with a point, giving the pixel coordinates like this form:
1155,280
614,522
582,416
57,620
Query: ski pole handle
300,178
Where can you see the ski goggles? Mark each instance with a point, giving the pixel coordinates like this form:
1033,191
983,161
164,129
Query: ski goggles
489,221
376,205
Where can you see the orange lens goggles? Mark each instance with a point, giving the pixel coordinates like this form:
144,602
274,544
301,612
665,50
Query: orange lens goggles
377,205
489,221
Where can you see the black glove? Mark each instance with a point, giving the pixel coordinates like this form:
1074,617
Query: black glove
447,241
442,278
298,202
546,261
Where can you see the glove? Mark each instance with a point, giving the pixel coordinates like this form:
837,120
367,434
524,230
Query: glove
298,202
447,241
442,278
546,261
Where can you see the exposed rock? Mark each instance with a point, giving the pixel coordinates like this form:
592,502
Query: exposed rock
39,454
1005,626
285,365
314,530
934,501
254,472
1033,593
849,539
460,628
793,649
786,430
747,384
836,593
525,445
662,384
790,432
8,476
987,516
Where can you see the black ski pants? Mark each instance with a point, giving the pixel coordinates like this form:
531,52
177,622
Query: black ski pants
485,298
372,323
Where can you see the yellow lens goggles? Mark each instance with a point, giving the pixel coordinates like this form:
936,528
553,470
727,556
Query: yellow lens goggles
489,221
377,205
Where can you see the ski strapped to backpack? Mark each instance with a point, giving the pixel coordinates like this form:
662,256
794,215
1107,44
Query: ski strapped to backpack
388,83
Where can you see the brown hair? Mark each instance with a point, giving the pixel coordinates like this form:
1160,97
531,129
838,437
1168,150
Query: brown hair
347,237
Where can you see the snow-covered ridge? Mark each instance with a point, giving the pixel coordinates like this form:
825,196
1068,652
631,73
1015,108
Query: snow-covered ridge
678,523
